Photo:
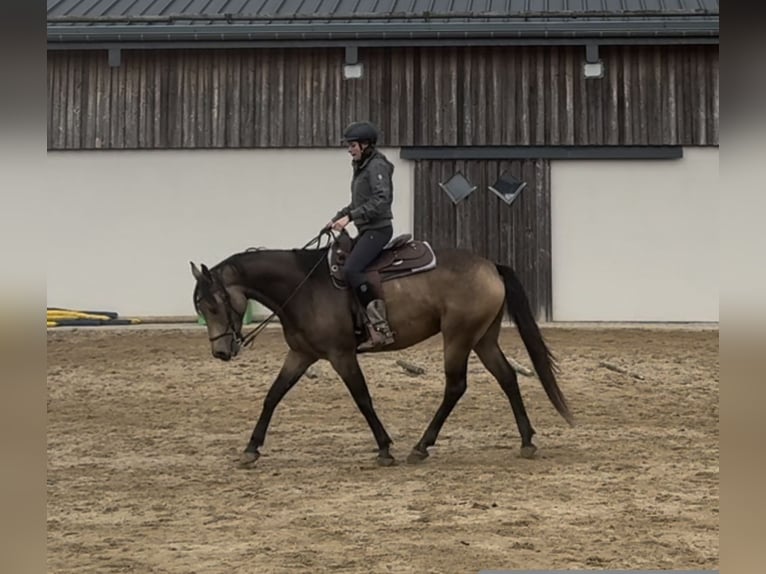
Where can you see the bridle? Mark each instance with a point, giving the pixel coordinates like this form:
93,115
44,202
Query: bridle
230,331
246,340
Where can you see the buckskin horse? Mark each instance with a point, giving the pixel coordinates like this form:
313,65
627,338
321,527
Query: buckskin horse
452,291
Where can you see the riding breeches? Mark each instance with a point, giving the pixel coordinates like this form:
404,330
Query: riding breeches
366,249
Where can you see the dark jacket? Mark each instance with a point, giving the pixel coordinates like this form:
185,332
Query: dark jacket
372,193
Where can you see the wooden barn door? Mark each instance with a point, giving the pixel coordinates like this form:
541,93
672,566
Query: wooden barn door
517,234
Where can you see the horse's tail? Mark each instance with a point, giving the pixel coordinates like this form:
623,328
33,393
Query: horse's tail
543,360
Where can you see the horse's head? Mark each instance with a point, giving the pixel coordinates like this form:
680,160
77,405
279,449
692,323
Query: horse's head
223,308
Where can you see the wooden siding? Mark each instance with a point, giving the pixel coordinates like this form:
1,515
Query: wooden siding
418,96
517,235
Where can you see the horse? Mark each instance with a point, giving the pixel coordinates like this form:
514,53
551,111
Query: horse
459,294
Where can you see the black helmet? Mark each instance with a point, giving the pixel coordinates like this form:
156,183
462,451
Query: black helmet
361,131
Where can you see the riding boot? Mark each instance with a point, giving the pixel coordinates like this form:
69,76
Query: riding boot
379,330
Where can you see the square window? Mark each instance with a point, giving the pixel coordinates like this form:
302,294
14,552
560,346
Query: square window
458,187
507,187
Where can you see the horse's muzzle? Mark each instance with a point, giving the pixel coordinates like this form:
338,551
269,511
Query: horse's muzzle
222,355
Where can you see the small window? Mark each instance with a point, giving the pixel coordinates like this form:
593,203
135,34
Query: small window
458,187
507,187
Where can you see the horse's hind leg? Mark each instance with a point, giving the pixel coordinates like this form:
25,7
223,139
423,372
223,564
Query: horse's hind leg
490,354
456,351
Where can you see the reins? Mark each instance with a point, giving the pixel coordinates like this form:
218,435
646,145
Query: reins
248,339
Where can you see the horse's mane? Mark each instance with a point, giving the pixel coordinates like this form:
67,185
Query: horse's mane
305,258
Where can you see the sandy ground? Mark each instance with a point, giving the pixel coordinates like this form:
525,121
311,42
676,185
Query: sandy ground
144,429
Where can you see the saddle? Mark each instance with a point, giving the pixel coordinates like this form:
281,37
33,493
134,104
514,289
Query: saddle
402,256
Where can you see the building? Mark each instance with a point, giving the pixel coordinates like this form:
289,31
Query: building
190,130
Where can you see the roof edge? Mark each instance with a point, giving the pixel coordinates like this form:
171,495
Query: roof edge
372,43
388,16
591,29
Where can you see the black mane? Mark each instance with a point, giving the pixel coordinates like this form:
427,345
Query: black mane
305,258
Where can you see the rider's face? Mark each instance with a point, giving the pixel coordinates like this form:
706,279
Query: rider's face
355,149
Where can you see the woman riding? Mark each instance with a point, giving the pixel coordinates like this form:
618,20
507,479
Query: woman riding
370,210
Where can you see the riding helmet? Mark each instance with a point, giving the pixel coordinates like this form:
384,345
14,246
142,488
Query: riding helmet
361,132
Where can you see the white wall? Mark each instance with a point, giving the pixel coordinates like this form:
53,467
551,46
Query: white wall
123,225
636,240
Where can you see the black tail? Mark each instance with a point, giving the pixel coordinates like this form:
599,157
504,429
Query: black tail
542,358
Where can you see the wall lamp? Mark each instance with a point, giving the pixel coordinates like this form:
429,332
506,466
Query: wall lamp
593,67
115,57
352,67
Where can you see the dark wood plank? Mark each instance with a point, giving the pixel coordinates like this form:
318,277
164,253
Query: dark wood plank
426,96
516,235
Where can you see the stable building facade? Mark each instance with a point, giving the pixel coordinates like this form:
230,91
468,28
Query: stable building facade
580,147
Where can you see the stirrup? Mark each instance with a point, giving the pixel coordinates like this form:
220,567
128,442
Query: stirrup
378,336
378,329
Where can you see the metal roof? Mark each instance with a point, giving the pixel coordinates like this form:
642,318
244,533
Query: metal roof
100,21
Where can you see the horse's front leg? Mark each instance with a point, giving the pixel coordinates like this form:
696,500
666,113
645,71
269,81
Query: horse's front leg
347,366
293,368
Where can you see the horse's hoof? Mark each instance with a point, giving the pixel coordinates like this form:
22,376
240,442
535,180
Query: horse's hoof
248,459
417,456
528,451
386,460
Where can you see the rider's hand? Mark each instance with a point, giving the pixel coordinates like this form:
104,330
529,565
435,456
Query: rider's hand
341,223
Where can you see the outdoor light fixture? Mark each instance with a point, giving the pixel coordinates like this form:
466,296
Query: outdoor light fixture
353,71
507,187
458,187
115,57
593,67
352,68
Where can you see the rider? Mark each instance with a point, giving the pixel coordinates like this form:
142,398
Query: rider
370,210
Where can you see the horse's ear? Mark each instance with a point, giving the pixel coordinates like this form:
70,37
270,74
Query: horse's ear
206,272
195,271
